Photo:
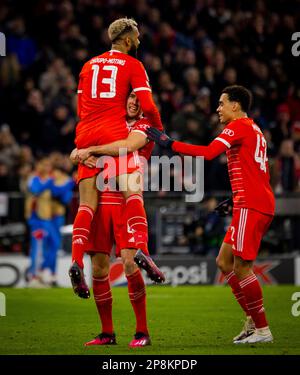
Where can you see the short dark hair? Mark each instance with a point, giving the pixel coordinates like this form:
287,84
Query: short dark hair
239,94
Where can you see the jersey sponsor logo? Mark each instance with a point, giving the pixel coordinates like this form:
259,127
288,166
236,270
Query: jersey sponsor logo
140,126
228,132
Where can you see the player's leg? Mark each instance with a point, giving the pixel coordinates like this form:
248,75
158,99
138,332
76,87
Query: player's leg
225,262
245,252
54,245
88,195
135,214
137,224
88,201
137,296
254,300
103,299
35,254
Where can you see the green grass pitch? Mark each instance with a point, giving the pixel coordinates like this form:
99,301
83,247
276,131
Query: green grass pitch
182,320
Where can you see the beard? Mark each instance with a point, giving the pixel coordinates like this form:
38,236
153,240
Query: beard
133,51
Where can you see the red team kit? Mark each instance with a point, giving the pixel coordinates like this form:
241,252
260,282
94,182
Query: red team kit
104,121
246,151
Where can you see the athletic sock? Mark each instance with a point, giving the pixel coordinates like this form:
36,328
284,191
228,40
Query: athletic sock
137,295
103,300
81,231
137,221
233,281
254,300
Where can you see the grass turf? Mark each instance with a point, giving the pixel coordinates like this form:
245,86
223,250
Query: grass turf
182,320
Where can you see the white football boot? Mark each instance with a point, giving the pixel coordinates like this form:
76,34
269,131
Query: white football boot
260,335
247,330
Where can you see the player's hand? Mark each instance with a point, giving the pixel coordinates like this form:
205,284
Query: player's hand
225,207
74,156
83,154
91,161
159,137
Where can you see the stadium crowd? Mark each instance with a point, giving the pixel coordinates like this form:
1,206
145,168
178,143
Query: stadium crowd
191,50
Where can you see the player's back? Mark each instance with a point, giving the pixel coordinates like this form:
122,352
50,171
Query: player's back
105,82
248,166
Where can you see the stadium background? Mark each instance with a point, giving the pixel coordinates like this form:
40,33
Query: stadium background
191,50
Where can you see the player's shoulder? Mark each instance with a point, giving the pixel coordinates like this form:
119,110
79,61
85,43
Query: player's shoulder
94,60
244,124
134,61
86,67
142,124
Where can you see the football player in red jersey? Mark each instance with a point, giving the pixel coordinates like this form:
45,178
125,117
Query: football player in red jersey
253,203
108,227
104,84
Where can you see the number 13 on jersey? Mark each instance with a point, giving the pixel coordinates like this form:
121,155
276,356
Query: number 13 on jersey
110,82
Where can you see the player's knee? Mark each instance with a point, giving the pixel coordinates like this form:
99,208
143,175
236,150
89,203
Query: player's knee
241,270
223,265
129,265
100,270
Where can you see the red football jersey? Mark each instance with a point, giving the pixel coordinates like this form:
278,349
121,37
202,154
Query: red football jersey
104,84
141,126
248,165
246,150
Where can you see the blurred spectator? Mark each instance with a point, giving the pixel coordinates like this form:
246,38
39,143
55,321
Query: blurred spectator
287,168
19,43
204,233
38,212
214,228
191,50
9,148
49,191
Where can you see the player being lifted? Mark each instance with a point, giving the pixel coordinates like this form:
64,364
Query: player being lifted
253,203
109,228
104,84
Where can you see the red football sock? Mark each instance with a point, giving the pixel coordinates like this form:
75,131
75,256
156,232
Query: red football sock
254,300
137,221
137,295
81,231
233,281
103,300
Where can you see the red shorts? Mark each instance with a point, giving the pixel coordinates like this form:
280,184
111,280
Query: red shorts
96,137
246,231
111,167
109,227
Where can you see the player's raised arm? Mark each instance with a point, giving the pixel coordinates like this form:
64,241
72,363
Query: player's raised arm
142,89
149,108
